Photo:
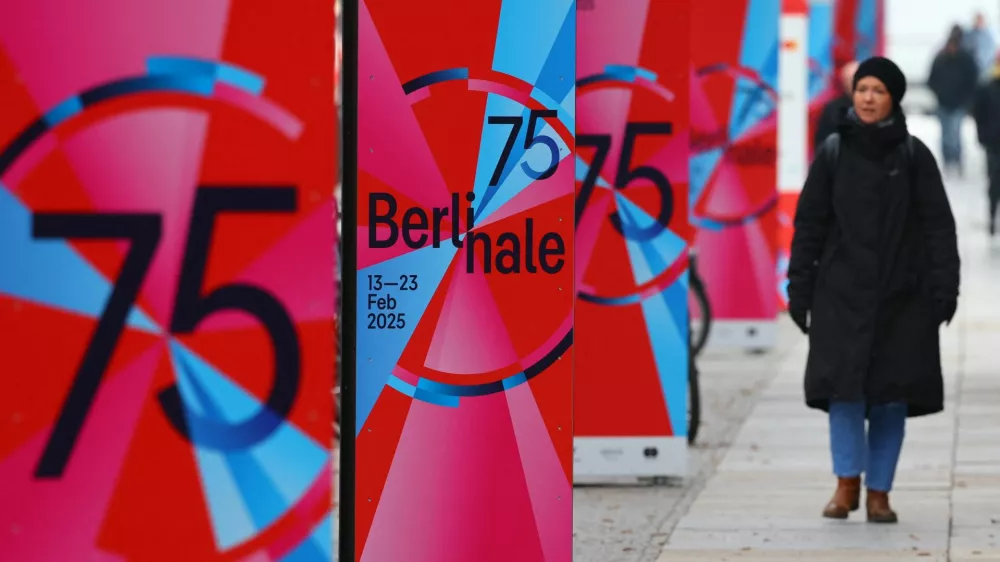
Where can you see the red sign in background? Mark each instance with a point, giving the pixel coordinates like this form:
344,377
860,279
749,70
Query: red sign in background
166,291
734,49
633,75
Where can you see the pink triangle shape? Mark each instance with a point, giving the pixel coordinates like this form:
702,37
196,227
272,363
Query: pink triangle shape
471,337
61,519
456,491
619,23
550,491
391,144
725,195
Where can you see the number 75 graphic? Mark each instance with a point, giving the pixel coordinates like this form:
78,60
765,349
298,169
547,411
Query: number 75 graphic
144,231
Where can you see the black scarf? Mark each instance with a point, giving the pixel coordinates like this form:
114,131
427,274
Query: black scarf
875,140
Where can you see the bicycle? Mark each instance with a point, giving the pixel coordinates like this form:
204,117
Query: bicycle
701,329
697,339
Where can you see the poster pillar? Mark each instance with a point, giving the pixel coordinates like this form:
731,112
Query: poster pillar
459,288
166,287
733,177
633,76
793,123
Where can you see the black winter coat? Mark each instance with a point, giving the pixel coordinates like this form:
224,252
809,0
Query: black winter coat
953,79
986,111
873,255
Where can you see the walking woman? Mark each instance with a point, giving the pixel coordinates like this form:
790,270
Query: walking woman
874,272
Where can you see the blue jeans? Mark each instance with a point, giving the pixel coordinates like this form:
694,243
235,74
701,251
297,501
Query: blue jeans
951,134
875,453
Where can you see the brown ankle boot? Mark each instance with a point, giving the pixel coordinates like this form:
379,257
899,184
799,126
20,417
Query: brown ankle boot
846,499
878,508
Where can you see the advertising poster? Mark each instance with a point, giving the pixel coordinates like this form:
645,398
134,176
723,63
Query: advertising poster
459,198
733,175
632,90
166,295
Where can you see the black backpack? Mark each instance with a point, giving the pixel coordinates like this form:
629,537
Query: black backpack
831,148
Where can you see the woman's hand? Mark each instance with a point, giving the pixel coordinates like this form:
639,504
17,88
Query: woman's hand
800,317
945,310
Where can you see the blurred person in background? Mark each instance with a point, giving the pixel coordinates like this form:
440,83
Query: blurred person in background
978,40
953,78
873,273
986,112
834,110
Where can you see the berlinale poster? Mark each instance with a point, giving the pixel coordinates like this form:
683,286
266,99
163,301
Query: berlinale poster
633,80
733,191
167,291
458,417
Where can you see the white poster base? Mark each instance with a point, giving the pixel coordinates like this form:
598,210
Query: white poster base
751,335
629,456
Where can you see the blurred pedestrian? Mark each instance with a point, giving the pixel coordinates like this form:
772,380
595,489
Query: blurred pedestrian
953,79
874,272
978,40
835,108
986,112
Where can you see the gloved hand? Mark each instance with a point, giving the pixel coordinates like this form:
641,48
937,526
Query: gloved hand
800,315
945,309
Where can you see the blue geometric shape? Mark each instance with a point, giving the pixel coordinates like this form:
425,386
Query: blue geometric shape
422,394
246,490
318,547
820,45
866,29
526,35
64,111
758,52
557,76
649,258
377,357
51,272
225,73
667,328
700,168
514,381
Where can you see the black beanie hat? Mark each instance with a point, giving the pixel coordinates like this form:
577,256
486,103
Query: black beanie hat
886,71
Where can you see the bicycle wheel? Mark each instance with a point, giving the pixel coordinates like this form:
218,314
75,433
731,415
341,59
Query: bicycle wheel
694,400
699,333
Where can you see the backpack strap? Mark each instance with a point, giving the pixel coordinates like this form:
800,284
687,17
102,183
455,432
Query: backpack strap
831,149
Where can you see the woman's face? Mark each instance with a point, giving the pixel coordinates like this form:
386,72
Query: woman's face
872,101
